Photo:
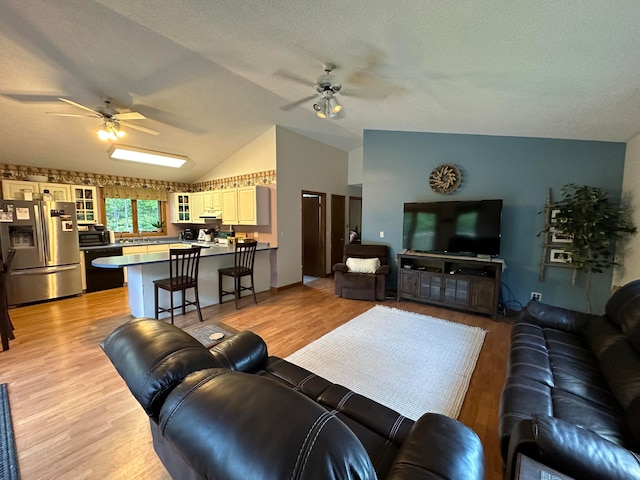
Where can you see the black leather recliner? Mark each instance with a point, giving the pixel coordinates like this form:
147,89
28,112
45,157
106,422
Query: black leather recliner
236,413
571,399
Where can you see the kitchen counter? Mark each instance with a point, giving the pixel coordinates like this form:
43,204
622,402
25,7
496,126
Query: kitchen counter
144,268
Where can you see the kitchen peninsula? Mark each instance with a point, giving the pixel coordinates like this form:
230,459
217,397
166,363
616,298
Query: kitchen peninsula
143,269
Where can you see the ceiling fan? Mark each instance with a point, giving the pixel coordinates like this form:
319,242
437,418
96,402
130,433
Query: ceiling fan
327,104
112,119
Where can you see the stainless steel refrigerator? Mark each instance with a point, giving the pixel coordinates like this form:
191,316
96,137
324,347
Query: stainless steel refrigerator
44,236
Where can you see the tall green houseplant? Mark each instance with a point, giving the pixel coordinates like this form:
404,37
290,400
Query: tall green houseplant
595,225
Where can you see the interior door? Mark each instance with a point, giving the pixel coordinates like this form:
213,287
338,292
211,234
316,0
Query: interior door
337,228
313,228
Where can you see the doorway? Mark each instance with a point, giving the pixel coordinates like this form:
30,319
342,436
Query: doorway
313,234
355,219
338,228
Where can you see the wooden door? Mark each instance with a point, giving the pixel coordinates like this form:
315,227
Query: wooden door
337,228
313,232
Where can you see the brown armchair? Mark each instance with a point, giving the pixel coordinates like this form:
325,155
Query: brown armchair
354,284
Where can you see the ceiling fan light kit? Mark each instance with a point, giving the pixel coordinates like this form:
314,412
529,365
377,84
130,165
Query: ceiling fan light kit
110,131
141,155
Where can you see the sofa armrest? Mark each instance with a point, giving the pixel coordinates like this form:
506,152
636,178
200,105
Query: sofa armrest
340,267
551,316
384,270
572,450
439,447
153,356
244,352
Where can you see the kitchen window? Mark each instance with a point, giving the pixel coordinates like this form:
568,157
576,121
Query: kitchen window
127,215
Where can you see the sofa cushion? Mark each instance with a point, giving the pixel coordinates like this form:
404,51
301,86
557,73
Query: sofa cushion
363,265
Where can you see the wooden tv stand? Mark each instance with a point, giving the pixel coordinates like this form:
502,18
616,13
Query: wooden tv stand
467,283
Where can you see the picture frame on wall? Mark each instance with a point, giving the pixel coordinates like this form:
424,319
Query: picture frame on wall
559,255
557,236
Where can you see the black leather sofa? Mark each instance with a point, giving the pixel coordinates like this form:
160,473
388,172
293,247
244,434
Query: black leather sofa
235,413
571,399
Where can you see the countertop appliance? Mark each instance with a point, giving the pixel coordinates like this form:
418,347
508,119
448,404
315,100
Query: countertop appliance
189,234
102,278
92,238
44,236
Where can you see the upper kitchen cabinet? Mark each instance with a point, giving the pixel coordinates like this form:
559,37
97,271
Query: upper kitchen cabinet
246,206
15,190
58,191
86,203
215,200
181,208
229,199
197,207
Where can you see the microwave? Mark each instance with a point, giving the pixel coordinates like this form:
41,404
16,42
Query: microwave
91,238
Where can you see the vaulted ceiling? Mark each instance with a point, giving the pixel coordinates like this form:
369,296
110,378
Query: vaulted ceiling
211,76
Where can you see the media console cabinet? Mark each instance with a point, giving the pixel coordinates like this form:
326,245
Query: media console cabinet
467,283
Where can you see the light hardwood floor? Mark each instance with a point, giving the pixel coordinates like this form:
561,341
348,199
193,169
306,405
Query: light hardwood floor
75,419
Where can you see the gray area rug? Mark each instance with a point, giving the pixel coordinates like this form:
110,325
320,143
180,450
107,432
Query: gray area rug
409,362
8,457
204,332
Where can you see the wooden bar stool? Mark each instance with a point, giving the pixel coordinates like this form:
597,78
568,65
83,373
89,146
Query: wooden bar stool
183,274
243,259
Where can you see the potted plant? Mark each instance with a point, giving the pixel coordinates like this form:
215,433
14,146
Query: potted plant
594,226
159,225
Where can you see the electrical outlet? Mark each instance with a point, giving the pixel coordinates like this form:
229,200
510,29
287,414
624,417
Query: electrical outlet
536,296
256,234
381,234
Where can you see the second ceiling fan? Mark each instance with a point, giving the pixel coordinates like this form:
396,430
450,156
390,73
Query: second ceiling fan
327,105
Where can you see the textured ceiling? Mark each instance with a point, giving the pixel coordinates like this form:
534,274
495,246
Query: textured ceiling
205,73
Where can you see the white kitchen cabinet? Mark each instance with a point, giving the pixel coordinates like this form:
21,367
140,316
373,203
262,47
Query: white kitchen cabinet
253,205
181,208
197,207
246,206
15,189
59,192
215,199
229,200
86,203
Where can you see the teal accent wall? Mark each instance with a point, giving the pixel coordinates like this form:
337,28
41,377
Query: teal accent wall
396,167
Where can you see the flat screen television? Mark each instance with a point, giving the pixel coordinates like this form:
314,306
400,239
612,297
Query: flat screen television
461,227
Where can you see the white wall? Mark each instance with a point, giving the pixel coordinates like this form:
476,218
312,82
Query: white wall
629,256
257,156
303,164
355,166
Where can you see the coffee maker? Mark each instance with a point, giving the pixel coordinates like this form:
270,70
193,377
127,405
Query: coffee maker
189,234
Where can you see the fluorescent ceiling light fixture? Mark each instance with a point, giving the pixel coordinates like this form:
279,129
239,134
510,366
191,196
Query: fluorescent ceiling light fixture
133,154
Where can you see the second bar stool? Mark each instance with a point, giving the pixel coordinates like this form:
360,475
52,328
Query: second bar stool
243,261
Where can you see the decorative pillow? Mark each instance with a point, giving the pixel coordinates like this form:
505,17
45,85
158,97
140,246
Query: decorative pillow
363,265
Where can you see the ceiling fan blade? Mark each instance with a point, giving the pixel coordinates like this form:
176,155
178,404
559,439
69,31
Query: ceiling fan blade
291,76
129,116
71,115
71,102
289,106
138,127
